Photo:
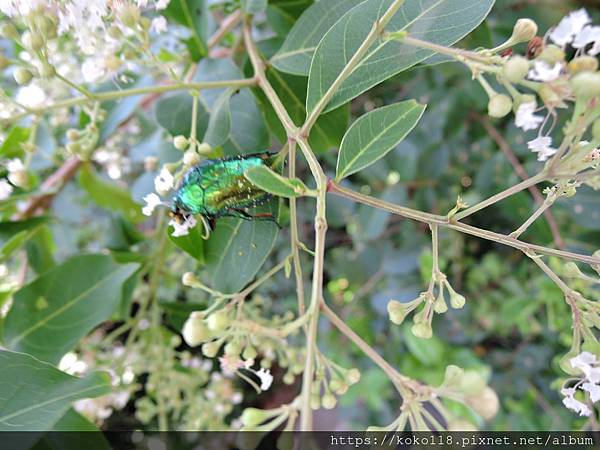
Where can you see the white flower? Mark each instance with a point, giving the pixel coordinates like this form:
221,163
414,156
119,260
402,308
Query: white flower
162,4
152,201
593,389
158,25
31,96
93,69
588,35
542,146
569,26
14,8
542,71
142,3
525,117
182,229
266,379
577,406
86,20
163,183
584,361
5,189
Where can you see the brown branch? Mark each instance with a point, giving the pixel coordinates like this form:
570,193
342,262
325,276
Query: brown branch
522,173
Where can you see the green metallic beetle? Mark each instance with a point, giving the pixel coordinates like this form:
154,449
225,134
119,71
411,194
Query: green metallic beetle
217,188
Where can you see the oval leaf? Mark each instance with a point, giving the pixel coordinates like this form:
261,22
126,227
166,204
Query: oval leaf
238,248
271,182
442,22
373,135
297,51
53,312
34,395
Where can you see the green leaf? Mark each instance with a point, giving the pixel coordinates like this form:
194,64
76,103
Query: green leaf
373,135
439,21
219,123
238,248
11,147
249,132
73,421
174,114
329,129
53,312
297,51
192,243
283,14
429,351
40,250
13,235
272,182
34,395
254,6
108,194
195,15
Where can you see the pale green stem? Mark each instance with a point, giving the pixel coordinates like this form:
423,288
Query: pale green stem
538,212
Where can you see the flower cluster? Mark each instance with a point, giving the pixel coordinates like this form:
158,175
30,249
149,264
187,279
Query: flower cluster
589,366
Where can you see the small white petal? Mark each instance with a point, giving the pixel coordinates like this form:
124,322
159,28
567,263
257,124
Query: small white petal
32,96
5,189
582,360
152,201
542,71
182,229
593,389
577,406
569,26
162,4
586,36
542,146
158,25
163,183
266,379
525,117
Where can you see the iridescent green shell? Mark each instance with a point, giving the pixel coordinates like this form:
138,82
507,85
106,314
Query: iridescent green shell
217,187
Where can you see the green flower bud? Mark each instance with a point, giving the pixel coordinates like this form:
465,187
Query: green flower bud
472,383
453,376
180,142
219,320
23,76
486,404
19,179
422,330
195,331
251,417
289,378
210,349
315,401
552,54
145,23
249,353
130,16
233,348
47,26
397,311
335,384
584,63
516,69
115,32
341,389
9,31
440,306
457,301
353,376
73,147
586,85
34,41
191,158
329,401
204,148
112,63
499,105
571,270
524,30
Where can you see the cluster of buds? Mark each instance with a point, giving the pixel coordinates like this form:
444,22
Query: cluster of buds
194,151
331,381
422,320
82,143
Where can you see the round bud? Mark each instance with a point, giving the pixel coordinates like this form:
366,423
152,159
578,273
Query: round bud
486,404
586,85
210,349
329,401
47,71
195,331
218,321
315,401
499,105
396,311
233,348
19,179
440,306
453,376
422,330
73,147
584,63
524,30
204,148
456,300
9,31
571,270
115,32
516,69
252,417
341,389
112,63
189,279
180,142
472,383
130,16
22,76
289,378
145,23
552,54
335,384
191,158
249,352
34,41
353,376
